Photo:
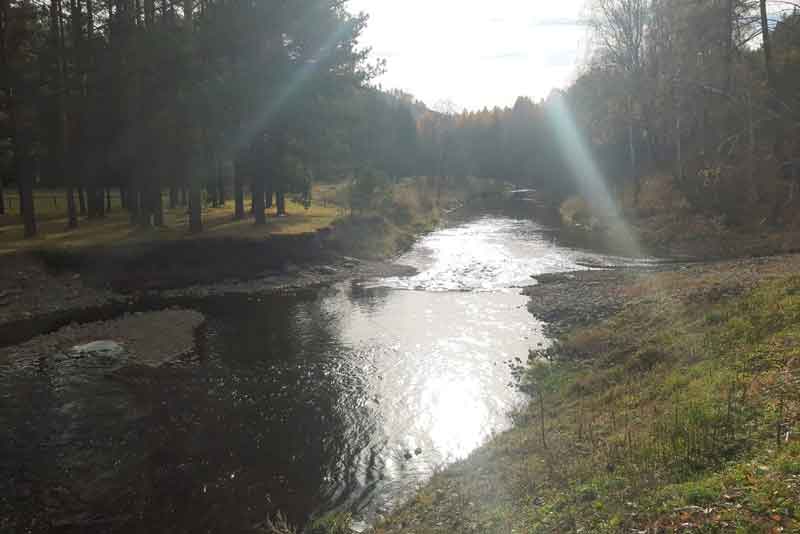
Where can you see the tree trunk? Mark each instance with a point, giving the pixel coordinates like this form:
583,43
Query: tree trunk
57,35
280,202
72,215
132,202
258,200
212,195
144,218
195,208
4,16
173,197
108,200
238,194
81,201
96,201
195,193
268,196
182,197
729,14
157,204
101,206
26,204
767,45
220,188
679,148
91,198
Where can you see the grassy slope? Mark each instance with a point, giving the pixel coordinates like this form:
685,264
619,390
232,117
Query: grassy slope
671,415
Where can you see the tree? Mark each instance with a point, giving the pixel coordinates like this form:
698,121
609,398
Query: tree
766,45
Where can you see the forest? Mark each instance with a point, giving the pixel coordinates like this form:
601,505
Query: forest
206,99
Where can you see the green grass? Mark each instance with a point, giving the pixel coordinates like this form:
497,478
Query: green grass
115,228
405,210
674,412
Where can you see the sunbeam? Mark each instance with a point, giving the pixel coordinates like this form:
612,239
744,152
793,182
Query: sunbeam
588,177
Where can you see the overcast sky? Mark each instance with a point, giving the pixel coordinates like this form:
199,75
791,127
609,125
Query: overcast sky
475,53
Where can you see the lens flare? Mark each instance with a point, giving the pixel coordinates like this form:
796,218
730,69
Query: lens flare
588,177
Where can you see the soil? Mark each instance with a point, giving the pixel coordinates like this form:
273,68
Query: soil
45,290
29,289
150,339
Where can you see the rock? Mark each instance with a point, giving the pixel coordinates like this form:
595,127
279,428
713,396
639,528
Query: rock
102,348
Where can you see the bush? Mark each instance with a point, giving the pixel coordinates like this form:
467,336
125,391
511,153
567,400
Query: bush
335,523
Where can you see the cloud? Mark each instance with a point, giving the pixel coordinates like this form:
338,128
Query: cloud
475,53
560,21
564,57
505,56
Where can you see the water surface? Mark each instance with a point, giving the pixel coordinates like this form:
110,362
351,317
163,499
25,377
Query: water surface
344,398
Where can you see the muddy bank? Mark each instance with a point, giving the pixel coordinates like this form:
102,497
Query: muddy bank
160,266
156,266
44,308
46,289
295,277
150,339
28,288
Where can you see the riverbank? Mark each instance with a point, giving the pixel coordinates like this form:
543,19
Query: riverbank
663,224
150,339
669,402
51,287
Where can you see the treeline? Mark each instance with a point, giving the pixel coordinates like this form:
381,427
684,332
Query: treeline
155,95
705,92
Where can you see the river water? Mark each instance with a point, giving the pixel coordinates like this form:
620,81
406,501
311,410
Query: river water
341,398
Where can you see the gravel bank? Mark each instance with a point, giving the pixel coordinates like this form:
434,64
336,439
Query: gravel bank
568,300
28,289
150,339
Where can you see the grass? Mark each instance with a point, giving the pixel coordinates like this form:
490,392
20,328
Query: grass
116,229
678,413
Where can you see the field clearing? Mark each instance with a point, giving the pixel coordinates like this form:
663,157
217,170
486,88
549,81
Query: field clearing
115,228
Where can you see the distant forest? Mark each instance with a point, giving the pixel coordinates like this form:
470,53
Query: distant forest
270,96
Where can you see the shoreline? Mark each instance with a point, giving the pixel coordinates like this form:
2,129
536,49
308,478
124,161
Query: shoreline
609,326
47,290
574,461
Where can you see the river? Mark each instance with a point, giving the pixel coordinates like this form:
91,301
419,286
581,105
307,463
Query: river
341,398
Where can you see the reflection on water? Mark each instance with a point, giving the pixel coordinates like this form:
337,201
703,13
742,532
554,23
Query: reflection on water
486,255
342,398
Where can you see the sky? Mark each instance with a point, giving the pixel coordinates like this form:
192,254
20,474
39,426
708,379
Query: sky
475,53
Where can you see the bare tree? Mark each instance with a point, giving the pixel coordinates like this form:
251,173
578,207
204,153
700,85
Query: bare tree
767,45
620,26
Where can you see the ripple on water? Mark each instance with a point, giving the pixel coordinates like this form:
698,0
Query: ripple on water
490,254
